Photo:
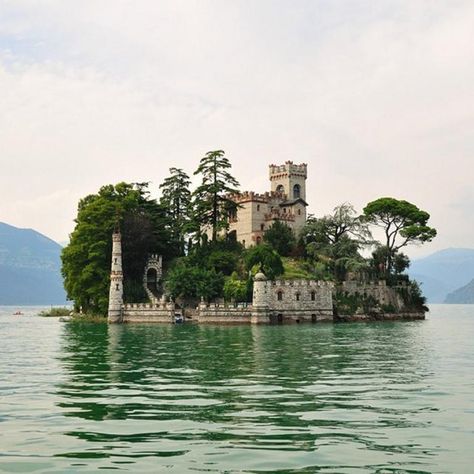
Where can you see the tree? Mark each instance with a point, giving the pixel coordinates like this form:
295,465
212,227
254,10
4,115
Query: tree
86,259
280,237
268,260
194,282
343,222
212,201
176,199
236,290
402,222
336,239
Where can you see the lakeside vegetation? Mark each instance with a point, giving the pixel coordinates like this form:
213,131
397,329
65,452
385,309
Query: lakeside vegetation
213,264
56,312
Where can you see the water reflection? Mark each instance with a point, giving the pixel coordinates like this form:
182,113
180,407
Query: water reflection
272,399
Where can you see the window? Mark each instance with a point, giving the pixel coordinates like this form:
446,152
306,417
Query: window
284,210
262,226
297,296
296,191
259,239
243,242
313,296
280,189
280,295
299,212
258,207
116,286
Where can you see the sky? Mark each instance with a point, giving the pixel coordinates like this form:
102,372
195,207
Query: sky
377,97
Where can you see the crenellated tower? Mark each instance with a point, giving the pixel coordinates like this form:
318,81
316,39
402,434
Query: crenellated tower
116,280
289,179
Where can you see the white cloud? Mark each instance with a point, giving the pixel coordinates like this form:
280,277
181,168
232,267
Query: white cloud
375,96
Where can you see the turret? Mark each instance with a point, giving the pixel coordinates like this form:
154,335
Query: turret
116,281
289,179
260,297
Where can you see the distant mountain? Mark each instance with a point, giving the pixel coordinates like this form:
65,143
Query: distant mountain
443,272
463,295
29,268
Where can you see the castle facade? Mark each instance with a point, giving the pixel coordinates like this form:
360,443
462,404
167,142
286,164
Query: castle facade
286,202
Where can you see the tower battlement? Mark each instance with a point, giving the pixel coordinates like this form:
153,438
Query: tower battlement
289,179
276,171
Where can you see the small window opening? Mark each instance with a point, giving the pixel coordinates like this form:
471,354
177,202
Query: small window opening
313,296
297,296
280,295
296,191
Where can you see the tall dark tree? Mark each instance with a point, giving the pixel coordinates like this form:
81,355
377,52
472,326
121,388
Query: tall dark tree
212,202
402,222
86,259
176,200
280,237
266,258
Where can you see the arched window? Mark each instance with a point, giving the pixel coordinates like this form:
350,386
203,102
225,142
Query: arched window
297,296
313,296
296,191
243,242
280,295
258,207
259,239
280,189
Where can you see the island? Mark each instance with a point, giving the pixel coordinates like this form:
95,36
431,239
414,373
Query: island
218,255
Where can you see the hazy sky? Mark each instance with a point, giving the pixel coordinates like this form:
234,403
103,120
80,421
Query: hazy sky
376,96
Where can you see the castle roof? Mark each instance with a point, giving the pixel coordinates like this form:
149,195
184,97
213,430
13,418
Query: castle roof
292,202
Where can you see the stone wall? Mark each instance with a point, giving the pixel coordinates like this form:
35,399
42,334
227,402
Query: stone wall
379,290
148,313
299,295
224,314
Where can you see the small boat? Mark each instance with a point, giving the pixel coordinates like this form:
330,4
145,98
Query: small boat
17,313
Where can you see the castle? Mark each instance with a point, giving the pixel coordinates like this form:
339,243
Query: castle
285,202
273,302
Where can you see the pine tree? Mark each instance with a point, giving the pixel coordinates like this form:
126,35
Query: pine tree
176,199
212,201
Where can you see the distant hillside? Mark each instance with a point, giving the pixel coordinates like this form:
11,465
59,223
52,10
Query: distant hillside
29,268
443,272
463,295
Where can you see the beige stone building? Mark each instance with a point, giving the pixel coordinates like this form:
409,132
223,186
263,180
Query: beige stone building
286,202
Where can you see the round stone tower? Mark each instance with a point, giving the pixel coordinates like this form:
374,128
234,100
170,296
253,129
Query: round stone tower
260,297
116,281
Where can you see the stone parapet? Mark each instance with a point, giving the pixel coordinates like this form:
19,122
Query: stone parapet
224,314
148,313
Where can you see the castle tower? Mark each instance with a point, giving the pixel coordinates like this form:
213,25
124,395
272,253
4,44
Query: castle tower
260,297
289,179
116,281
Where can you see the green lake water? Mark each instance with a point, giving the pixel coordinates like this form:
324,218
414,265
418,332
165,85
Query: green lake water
348,398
